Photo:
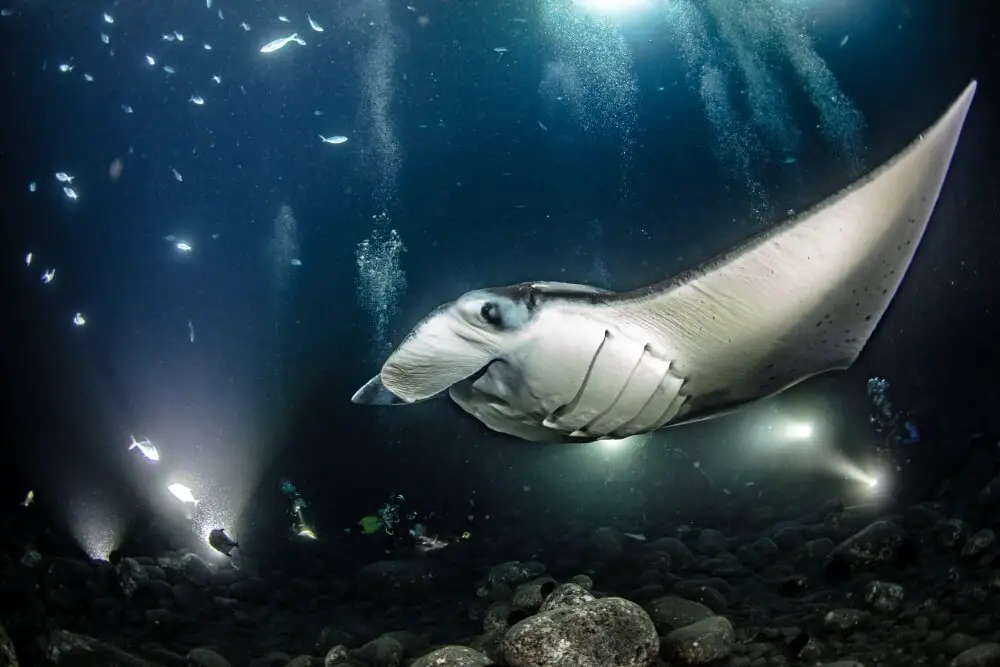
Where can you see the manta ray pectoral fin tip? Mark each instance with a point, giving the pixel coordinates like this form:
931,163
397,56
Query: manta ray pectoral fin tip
375,393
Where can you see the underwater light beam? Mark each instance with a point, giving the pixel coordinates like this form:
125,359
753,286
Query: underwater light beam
96,528
869,481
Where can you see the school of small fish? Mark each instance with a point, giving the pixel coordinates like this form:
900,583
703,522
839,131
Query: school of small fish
163,53
158,56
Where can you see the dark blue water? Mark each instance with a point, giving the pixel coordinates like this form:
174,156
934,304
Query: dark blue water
586,149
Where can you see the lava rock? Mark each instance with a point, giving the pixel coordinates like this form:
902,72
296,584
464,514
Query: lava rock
205,657
979,542
335,656
383,651
984,655
760,553
452,656
951,532
514,572
711,542
500,616
530,595
705,641
272,659
196,569
672,612
69,572
703,593
680,555
305,661
330,637
69,648
165,658
846,619
879,542
8,658
883,596
567,595
609,631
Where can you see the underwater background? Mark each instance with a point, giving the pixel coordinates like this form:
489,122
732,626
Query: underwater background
209,247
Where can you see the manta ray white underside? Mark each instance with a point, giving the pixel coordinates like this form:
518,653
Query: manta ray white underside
552,361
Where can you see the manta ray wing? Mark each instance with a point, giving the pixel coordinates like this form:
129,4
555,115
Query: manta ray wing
801,298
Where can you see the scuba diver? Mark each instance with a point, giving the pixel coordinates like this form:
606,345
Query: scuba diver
402,527
390,519
299,526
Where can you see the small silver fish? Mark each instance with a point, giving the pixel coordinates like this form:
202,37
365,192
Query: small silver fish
281,42
146,448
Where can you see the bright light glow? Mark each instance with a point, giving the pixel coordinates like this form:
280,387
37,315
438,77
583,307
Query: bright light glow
95,528
301,528
839,464
182,493
612,6
799,430
630,443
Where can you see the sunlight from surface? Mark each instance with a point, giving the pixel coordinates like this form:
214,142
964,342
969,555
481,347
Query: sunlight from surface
611,6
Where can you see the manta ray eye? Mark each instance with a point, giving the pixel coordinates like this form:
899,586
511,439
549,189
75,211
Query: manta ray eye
491,313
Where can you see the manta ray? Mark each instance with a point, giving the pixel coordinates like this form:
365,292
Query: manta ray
558,362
